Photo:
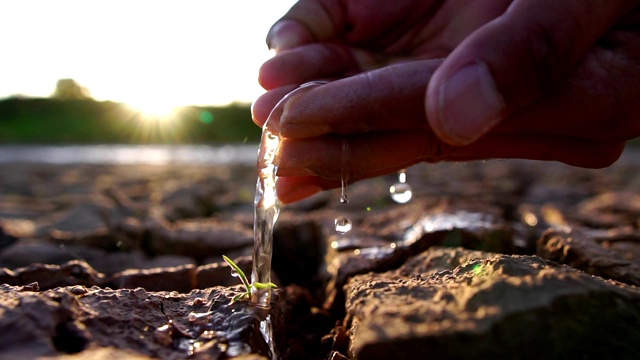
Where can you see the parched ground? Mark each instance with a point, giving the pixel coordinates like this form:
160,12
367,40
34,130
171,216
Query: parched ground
508,258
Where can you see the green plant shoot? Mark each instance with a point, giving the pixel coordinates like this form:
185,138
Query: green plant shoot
246,294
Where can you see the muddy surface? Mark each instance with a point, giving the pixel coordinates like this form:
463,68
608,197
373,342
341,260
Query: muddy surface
517,259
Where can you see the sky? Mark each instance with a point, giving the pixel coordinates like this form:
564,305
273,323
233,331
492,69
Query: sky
144,53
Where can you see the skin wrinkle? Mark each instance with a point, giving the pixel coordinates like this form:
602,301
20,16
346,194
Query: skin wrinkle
333,17
312,30
370,83
384,36
374,118
399,49
548,50
598,82
599,71
336,67
559,43
620,112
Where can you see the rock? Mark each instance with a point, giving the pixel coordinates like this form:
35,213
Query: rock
297,248
610,209
447,223
85,224
16,228
180,278
34,325
219,273
484,305
110,263
25,253
6,239
444,225
198,239
155,226
64,323
470,229
193,200
74,272
614,254
343,265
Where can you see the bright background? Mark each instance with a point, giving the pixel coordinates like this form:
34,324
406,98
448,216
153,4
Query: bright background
144,53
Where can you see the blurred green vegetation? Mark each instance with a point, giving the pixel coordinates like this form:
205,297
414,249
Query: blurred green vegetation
85,121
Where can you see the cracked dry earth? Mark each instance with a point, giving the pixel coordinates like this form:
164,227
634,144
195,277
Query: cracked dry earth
509,259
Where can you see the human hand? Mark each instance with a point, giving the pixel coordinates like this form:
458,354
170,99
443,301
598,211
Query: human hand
566,76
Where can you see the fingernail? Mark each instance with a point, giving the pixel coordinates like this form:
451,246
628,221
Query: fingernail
282,36
470,104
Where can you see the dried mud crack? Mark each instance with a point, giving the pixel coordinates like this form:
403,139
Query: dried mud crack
511,259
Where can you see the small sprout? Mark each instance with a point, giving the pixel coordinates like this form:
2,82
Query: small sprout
246,295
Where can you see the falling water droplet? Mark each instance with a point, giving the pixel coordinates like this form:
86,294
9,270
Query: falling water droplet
401,192
344,197
343,224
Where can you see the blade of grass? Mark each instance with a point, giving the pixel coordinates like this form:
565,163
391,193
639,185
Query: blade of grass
260,286
239,271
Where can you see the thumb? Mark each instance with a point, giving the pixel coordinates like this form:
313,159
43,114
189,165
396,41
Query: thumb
511,61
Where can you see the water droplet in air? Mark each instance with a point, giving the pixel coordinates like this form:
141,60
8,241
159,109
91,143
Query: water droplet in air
402,176
344,197
343,224
401,193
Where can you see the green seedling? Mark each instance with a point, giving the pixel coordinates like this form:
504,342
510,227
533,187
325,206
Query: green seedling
246,294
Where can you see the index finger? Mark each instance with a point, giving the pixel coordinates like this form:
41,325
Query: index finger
390,98
307,21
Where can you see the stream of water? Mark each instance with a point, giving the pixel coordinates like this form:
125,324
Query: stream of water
267,205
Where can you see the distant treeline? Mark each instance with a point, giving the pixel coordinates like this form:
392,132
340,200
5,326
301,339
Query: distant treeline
55,121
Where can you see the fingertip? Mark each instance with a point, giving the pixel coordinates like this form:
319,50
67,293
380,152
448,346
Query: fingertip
268,74
258,113
292,189
287,34
262,106
297,120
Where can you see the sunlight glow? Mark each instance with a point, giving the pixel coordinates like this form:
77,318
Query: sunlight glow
151,109
198,52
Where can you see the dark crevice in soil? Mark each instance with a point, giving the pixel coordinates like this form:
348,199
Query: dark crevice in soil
69,339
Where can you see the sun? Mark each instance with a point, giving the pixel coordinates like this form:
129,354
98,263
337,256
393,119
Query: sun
154,109
155,119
